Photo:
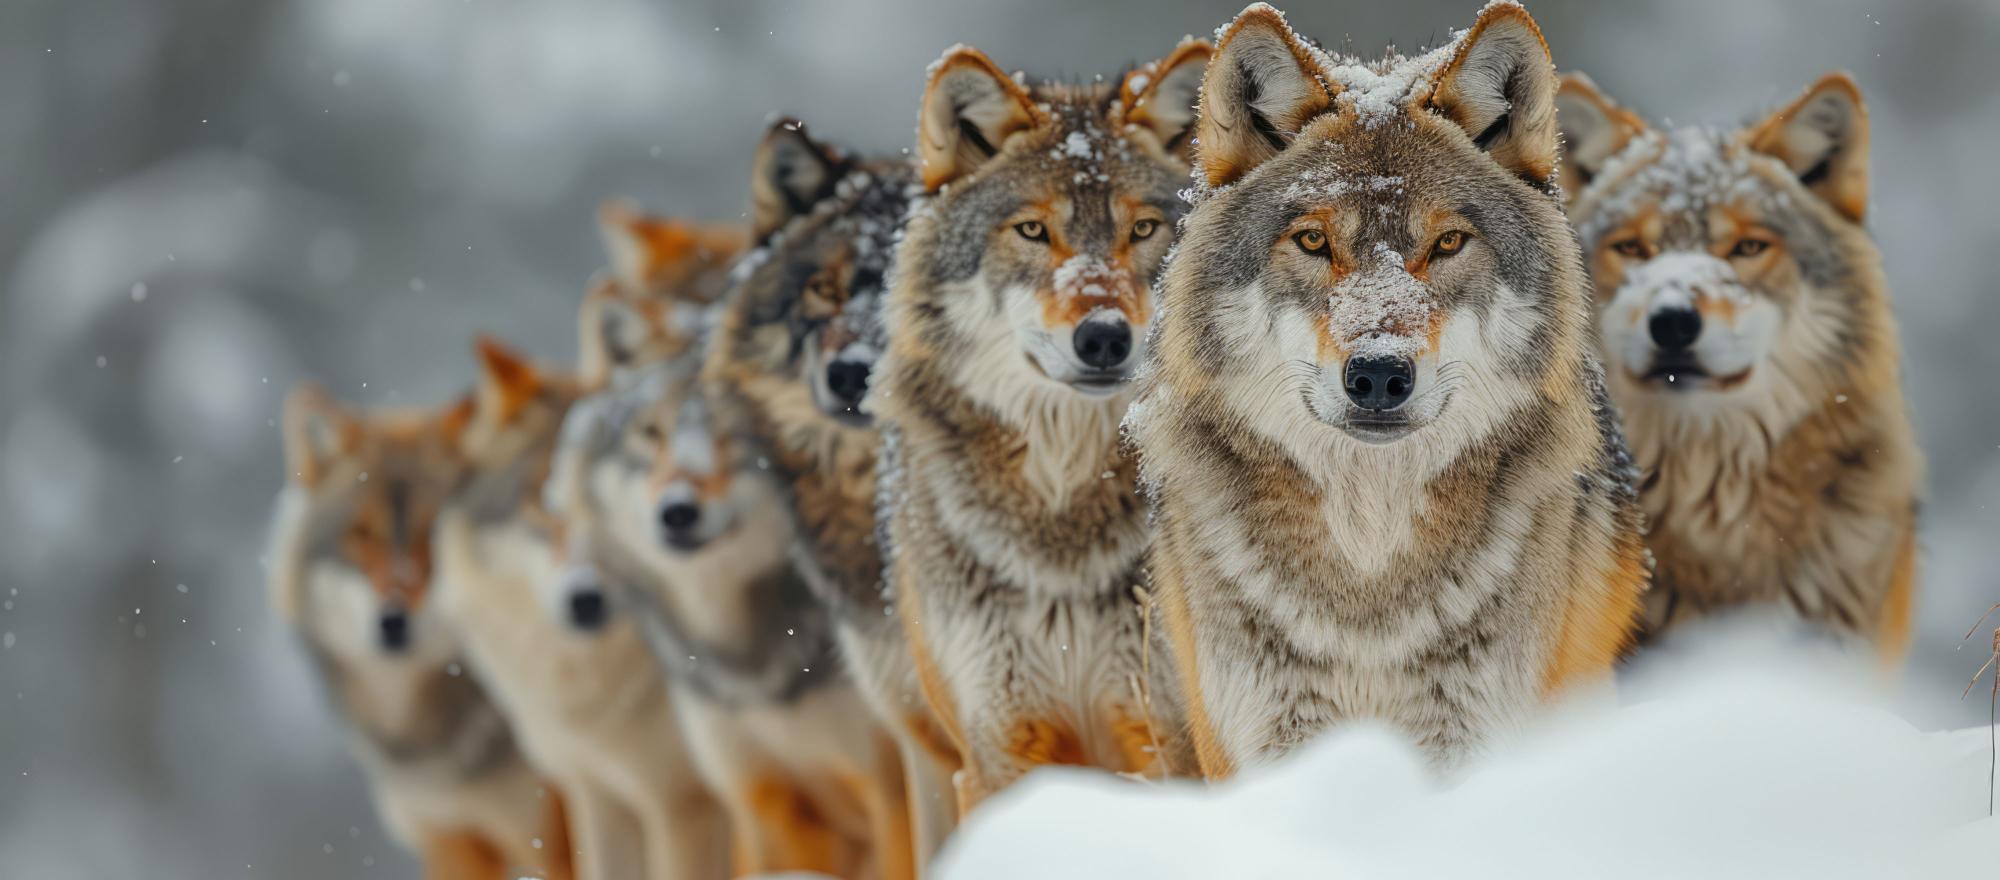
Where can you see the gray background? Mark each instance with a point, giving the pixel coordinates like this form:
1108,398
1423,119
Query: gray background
347,189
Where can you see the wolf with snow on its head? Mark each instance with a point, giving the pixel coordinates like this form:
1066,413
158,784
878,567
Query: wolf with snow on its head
1752,350
1386,479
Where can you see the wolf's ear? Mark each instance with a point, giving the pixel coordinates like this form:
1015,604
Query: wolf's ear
1161,97
455,418
507,381
318,431
1823,138
791,173
1260,89
609,332
1500,86
970,110
1593,130
639,245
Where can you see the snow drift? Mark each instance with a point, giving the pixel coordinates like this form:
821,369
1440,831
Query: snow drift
1721,768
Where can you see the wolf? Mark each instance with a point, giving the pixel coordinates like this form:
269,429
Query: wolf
1019,307
1387,479
792,356
351,574
1753,351
653,303
588,704
697,536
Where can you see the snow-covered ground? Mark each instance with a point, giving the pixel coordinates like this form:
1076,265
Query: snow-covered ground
1727,764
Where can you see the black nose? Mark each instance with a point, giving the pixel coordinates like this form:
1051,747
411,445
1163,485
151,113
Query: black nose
679,516
1674,329
395,631
1380,384
587,609
1103,344
848,380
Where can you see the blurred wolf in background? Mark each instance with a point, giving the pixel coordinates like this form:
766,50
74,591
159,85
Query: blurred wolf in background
1753,354
590,705
351,572
665,274
1386,477
792,357
679,515
1020,302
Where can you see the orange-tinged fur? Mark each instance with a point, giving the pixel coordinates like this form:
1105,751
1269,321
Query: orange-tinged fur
1209,754
1598,622
794,835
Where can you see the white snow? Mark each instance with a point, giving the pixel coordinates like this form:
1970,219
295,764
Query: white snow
1729,771
1381,310
1077,146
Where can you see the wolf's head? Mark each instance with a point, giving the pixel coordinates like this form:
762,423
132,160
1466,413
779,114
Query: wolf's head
805,327
670,482
1030,267
1731,266
1376,248
665,273
364,497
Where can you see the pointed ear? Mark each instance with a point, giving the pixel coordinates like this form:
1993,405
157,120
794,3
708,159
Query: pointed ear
1593,130
970,110
1823,138
1161,97
455,418
1260,89
610,331
318,431
507,381
791,173
1500,87
619,221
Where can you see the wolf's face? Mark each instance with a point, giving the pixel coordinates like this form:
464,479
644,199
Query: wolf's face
826,224
372,487
673,482
1378,251
1054,206
1723,261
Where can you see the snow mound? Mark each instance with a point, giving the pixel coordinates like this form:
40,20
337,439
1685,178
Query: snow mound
1743,774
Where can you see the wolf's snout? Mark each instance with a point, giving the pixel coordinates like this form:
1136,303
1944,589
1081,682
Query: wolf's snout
587,608
1379,384
1674,328
848,380
393,629
1103,344
679,518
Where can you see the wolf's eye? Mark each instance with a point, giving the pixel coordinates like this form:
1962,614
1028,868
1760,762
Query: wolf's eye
1144,229
1630,248
1748,247
1032,230
651,432
1449,243
1311,241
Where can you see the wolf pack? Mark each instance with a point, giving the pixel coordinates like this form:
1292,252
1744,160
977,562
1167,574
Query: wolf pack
1154,423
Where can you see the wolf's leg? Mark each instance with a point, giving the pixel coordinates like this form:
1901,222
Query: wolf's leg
884,799
685,832
781,829
933,805
605,835
461,855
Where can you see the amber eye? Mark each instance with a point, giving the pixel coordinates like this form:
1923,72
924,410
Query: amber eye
1631,248
1449,243
1749,247
1144,229
1032,230
1311,241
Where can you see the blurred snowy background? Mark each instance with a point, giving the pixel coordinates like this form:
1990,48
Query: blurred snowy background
205,201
